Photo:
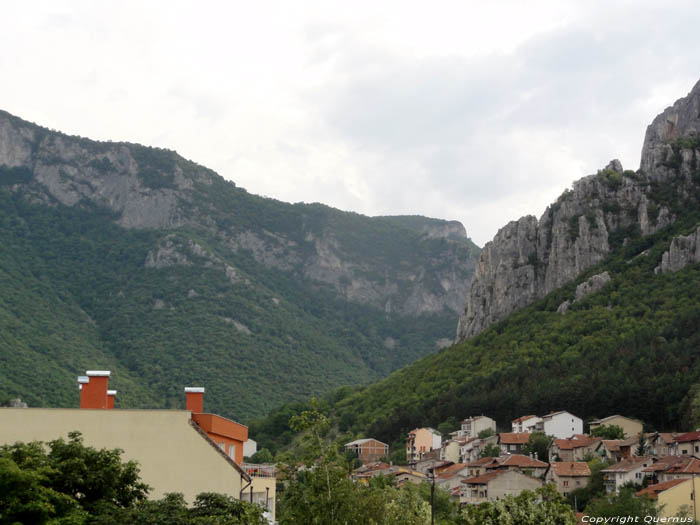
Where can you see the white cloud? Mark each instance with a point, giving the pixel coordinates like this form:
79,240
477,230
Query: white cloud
476,111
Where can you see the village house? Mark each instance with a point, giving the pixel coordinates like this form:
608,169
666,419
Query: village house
451,476
472,426
496,485
578,448
525,424
263,486
663,443
421,441
686,468
568,475
449,450
472,448
187,451
478,466
655,471
689,443
405,475
511,443
560,424
617,449
430,462
366,472
675,496
525,464
626,471
368,450
631,427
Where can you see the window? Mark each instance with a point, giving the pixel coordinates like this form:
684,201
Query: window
697,448
512,447
222,446
232,451
566,483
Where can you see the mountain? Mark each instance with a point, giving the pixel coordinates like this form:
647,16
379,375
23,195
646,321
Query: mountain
134,259
530,258
594,308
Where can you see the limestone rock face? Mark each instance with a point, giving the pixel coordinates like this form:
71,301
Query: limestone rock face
684,250
155,189
529,258
592,285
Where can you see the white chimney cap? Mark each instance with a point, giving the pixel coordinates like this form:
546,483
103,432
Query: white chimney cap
83,379
194,389
98,373
111,392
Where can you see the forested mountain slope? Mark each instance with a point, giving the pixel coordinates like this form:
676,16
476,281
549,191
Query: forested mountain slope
618,332
133,259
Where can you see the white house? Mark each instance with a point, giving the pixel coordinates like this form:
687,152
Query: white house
525,424
473,425
561,424
625,471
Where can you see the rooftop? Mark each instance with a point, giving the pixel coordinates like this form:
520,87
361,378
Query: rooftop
571,468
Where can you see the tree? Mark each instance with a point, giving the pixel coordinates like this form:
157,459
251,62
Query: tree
68,483
623,504
262,456
643,447
487,432
544,505
490,451
608,432
538,444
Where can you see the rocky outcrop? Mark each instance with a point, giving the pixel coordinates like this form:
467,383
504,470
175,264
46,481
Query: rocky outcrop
529,258
591,285
684,250
150,188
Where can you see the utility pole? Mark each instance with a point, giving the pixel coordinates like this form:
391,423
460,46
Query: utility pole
432,496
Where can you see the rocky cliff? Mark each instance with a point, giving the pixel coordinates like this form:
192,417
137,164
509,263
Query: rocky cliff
419,265
529,258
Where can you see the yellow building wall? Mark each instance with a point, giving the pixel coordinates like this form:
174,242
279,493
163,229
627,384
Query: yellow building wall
671,500
172,455
631,427
264,490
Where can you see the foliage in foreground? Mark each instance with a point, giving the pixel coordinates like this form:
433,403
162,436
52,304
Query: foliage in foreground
544,505
68,483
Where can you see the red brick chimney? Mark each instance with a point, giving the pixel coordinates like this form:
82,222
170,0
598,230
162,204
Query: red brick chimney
93,389
111,395
194,399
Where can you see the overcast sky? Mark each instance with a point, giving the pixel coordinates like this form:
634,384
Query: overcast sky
473,111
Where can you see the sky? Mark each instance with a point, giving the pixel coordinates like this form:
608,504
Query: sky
473,111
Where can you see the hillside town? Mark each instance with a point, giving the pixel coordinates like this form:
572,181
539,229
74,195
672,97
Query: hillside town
477,463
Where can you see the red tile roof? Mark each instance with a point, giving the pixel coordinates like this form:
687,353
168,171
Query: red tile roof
665,463
483,479
571,468
688,436
690,466
518,460
523,418
514,438
480,462
581,441
451,471
653,490
629,464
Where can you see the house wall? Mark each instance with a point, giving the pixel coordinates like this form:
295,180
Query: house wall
566,484
630,426
511,483
372,451
172,455
563,425
264,492
450,452
670,501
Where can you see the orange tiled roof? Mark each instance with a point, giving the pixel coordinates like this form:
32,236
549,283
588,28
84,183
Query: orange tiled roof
613,445
483,479
627,465
452,470
581,441
688,436
571,468
664,463
653,490
514,438
523,418
689,466
518,460
480,462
